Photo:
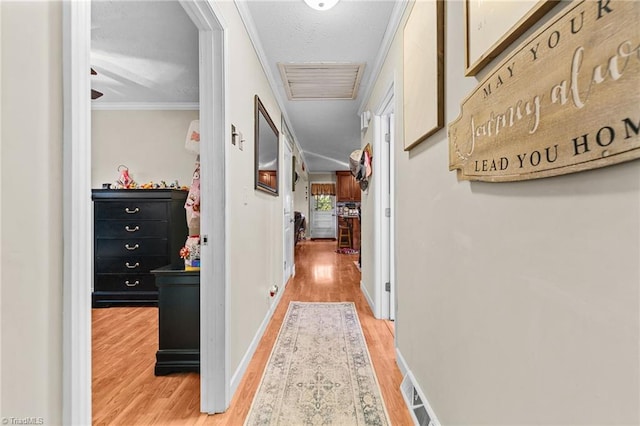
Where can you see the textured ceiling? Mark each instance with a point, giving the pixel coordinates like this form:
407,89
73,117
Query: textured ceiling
144,52
147,52
290,31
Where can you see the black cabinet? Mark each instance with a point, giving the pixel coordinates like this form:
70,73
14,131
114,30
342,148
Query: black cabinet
178,320
135,231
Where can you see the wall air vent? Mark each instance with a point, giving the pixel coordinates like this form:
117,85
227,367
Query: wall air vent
310,81
417,404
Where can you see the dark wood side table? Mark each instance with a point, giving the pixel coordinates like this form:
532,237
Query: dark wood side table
178,320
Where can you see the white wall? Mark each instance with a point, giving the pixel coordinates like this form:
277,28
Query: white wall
31,226
367,234
149,143
518,303
322,177
301,194
255,217
1,135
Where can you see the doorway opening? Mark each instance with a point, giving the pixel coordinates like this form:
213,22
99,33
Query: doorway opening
323,216
214,383
384,140
289,238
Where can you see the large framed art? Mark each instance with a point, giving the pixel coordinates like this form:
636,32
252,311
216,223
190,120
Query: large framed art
423,72
492,25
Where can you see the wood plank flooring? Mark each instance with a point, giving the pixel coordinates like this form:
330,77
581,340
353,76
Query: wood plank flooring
126,392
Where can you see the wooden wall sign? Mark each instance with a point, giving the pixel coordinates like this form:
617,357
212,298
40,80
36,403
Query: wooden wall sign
566,100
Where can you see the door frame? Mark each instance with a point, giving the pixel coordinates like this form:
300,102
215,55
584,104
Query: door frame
215,136
77,209
287,176
310,219
384,244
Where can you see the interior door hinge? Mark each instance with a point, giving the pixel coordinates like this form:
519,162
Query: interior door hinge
387,286
387,137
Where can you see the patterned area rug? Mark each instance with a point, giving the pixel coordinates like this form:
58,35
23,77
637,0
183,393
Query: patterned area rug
319,372
347,251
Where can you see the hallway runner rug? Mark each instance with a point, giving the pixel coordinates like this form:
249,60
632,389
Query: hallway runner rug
319,372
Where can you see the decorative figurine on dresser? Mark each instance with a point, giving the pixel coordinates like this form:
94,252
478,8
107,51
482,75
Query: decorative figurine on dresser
135,231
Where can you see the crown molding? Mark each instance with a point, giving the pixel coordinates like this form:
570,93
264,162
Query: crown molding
146,106
249,25
392,28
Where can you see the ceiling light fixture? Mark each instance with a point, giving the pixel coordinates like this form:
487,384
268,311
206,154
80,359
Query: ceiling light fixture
321,4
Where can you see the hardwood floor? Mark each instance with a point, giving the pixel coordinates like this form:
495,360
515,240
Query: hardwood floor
126,392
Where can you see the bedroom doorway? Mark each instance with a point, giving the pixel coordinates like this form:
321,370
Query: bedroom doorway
214,392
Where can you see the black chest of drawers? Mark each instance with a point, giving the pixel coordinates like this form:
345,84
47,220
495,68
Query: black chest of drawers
135,231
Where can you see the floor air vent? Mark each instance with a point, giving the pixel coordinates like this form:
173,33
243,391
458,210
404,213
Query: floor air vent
416,403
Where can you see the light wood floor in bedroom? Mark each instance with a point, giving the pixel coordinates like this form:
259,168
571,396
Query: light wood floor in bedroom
126,392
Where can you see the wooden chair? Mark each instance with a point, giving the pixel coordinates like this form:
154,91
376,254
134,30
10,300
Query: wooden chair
344,234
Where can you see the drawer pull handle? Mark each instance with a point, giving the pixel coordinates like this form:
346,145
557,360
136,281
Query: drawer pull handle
132,266
136,210
137,228
135,283
128,247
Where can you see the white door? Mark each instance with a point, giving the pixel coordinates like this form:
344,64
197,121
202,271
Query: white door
385,240
390,218
289,241
323,216
386,301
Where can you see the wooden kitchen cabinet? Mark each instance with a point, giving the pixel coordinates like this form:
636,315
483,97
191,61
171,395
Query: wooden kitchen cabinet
268,177
347,188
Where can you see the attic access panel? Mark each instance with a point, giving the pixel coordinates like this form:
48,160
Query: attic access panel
321,80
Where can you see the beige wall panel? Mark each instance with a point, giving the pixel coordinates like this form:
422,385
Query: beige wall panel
255,226
518,303
150,143
301,194
322,177
31,227
368,201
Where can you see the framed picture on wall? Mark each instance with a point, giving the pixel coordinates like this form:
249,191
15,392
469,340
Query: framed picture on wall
492,25
423,72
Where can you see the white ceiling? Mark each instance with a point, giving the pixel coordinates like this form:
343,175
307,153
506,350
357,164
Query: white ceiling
146,52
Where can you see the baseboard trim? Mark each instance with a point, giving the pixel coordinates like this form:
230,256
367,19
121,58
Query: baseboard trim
246,359
367,296
406,372
402,364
